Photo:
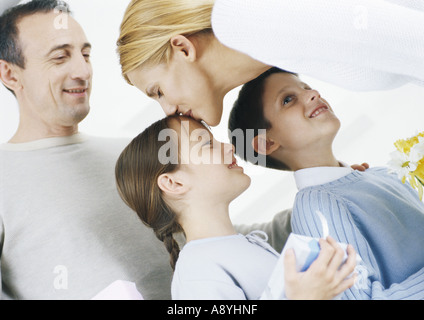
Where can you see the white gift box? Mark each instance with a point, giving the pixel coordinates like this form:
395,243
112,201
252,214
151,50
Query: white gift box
306,250
119,290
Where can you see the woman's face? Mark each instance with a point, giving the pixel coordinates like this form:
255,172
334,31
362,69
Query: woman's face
208,165
180,88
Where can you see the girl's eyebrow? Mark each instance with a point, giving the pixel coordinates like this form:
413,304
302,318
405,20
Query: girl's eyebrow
206,134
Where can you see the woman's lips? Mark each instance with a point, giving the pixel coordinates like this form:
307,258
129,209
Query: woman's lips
189,114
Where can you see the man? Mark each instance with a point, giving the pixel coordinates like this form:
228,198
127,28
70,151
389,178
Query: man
64,231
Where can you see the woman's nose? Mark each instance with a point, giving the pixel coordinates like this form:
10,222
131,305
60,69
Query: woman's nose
169,109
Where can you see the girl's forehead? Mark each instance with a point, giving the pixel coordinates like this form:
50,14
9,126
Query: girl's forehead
189,128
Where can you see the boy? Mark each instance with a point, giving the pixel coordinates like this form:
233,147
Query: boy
381,217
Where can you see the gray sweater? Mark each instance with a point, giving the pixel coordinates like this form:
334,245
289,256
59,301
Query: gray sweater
64,231
66,234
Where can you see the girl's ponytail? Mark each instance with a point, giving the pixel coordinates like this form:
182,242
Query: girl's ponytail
172,247
137,170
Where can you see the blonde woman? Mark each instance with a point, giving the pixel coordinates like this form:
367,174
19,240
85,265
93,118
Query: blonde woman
189,54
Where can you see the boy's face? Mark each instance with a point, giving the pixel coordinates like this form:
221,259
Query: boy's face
300,119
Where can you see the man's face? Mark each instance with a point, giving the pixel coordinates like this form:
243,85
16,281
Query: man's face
55,85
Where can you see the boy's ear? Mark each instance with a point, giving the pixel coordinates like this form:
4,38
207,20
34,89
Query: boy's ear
264,145
8,75
183,47
170,184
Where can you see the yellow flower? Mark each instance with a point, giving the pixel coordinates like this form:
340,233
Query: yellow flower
408,161
418,174
406,145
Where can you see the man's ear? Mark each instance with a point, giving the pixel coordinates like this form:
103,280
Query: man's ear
183,47
264,145
170,184
8,75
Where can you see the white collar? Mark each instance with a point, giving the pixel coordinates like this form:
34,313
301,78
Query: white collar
319,175
44,143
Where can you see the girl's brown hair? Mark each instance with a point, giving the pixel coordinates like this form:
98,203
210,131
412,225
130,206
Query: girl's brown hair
137,171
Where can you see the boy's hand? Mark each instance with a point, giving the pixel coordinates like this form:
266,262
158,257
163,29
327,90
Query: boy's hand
360,167
325,278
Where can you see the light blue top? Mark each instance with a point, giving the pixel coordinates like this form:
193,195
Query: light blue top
381,217
234,267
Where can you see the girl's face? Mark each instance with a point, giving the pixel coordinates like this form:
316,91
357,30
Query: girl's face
180,88
300,118
207,166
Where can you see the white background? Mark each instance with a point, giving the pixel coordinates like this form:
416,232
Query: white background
371,121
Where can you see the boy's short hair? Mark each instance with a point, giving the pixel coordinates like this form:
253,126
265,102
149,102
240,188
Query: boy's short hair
247,114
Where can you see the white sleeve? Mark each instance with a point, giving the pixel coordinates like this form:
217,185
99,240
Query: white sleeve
357,44
412,4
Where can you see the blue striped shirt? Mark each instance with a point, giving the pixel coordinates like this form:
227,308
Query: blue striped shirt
382,218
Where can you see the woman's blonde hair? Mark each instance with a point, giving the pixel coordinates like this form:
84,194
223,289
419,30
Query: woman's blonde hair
149,25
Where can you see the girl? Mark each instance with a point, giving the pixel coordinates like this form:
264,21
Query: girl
177,178
180,52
